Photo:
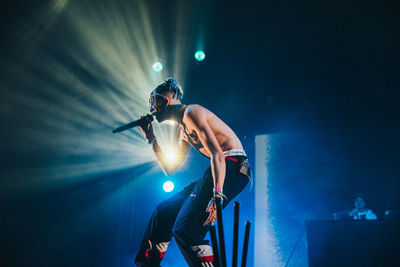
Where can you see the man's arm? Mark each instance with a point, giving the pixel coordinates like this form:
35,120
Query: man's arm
167,165
198,121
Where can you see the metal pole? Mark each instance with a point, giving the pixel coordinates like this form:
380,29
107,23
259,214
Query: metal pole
246,244
221,232
214,243
235,234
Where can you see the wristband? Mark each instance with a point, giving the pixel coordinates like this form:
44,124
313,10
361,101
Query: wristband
217,189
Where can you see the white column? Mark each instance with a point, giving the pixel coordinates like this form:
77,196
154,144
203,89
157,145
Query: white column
265,243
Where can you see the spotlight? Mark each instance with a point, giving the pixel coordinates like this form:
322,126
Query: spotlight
157,66
171,156
200,55
168,186
171,122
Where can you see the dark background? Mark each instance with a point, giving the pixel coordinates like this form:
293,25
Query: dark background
330,69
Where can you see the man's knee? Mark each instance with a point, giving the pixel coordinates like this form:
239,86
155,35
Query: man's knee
189,231
178,233
183,234
189,235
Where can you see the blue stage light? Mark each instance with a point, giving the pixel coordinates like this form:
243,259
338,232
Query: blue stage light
200,55
157,66
168,186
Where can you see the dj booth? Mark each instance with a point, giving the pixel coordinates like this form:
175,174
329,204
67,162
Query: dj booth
353,243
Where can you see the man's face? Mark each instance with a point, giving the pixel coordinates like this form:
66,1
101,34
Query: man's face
360,203
157,102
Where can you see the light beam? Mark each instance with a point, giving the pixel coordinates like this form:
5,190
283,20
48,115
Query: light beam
90,72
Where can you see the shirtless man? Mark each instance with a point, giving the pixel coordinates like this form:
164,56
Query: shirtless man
189,214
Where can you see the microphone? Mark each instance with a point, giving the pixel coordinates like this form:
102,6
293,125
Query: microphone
146,119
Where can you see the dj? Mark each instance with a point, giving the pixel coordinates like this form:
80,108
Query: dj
188,215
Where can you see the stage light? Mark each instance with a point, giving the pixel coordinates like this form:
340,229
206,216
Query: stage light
200,55
157,66
171,153
168,186
171,122
171,156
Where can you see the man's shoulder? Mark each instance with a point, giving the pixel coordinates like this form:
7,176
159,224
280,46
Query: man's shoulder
194,110
195,113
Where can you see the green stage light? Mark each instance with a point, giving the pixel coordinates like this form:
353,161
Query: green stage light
200,55
157,66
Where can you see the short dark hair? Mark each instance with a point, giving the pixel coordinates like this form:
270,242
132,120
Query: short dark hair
170,85
361,196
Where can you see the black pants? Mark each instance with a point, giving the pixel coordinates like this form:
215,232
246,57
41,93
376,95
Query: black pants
183,216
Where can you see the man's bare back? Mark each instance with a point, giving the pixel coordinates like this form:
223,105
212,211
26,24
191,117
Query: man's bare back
226,138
